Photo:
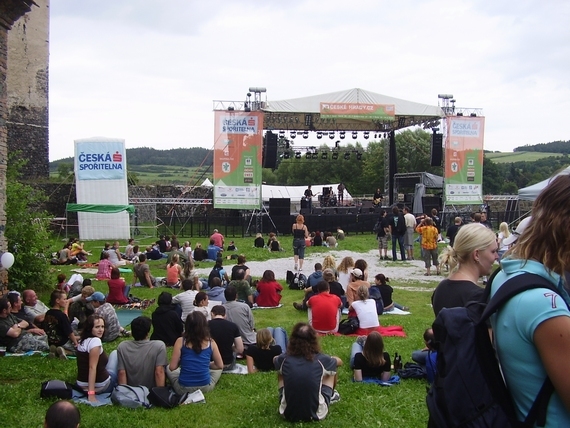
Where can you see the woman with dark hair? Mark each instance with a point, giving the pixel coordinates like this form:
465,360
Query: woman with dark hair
300,233
166,323
306,377
363,266
531,329
269,290
96,373
188,272
318,239
201,304
196,362
218,271
370,360
118,289
104,267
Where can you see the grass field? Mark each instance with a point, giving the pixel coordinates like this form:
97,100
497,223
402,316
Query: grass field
243,401
509,157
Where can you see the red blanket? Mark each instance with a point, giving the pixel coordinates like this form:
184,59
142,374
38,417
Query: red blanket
391,330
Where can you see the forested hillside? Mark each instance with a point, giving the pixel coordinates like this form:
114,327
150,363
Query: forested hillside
360,168
553,147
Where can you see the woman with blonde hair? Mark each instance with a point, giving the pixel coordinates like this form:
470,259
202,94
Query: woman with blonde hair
329,262
472,256
531,329
503,234
300,233
344,268
260,356
365,309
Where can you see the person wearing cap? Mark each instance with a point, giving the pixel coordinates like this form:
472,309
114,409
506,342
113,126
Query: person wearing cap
112,326
356,280
513,237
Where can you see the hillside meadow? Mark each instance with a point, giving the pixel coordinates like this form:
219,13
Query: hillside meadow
243,401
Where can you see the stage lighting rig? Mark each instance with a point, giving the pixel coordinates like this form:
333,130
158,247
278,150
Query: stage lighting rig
354,135
342,135
324,156
297,155
347,156
305,134
293,134
335,155
331,135
366,135
319,135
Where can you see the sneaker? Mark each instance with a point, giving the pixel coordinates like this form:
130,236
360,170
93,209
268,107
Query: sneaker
360,340
296,267
52,350
298,306
335,397
405,308
60,352
125,333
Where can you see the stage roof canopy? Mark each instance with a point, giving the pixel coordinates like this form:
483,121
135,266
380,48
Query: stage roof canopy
304,113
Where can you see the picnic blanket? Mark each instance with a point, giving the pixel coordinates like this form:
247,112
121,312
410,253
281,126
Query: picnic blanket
126,316
391,330
102,399
396,311
92,271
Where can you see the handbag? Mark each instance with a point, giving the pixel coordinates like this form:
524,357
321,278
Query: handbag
56,388
163,396
348,325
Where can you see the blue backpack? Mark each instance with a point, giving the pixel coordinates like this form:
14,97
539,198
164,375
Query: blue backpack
469,390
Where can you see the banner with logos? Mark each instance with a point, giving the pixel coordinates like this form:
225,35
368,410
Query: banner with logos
101,179
359,111
464,160
237,159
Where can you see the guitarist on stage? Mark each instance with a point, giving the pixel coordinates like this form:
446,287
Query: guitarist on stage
309,198
377,198
340,189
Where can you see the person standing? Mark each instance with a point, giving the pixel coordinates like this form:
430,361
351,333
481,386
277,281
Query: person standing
309,197
398,230
300,233
341,188
429,244
452,230
383,234
409,237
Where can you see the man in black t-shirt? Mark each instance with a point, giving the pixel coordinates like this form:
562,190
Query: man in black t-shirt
306,378
227,337
309,197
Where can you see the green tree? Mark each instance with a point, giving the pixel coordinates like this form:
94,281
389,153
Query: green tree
65,171
26,231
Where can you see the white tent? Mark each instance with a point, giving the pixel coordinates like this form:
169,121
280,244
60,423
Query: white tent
207,183
530,193
295,193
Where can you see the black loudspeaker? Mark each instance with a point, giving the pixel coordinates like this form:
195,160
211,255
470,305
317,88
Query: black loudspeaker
436,149
279,206
269,150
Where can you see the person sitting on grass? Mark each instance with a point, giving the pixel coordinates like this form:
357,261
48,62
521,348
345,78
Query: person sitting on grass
196,363
81,309
201,304
365,309
142,273
219,272
306,377
104,267
186,298
240,314
386,291
166,323
227,337
188,272
16,334
199,254
316,276
216,291
427,357
62,285
260,356
269,290
325,309
173,272
368,360
274,244
58,327
112,326
240,265
259,242
118,289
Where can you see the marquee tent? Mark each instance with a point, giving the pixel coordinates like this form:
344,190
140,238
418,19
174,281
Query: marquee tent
530,193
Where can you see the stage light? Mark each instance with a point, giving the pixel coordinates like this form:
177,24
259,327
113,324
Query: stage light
286,155
297,155
331,134
358,156
319,135
385,135
459,114
347,156
325,155
354,135
306,134
282,134
307,155
315,155
366,134
473,115
335,155
293,134
342,135
230,108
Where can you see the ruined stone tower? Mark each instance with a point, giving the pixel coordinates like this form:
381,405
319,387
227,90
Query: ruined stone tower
27,89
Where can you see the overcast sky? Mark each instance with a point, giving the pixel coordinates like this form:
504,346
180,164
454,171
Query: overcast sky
149,70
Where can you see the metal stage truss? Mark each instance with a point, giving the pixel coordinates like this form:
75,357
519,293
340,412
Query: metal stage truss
170,201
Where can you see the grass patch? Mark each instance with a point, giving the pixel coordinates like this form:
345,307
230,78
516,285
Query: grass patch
242,401
509,157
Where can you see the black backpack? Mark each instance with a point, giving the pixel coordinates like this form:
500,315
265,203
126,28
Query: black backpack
469,390
296,281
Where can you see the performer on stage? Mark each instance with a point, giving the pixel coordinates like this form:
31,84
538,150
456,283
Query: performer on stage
309,197
377,198
341,187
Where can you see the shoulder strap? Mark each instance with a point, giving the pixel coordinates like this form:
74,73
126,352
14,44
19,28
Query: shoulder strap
512,287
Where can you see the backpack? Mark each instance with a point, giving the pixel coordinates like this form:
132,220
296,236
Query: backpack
163,396
374,293
296,281
56,388
377,226
412,371
215,273
132,397
469,390
349,325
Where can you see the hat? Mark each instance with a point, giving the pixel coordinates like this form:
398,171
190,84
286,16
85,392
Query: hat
97,296
356,272
517,232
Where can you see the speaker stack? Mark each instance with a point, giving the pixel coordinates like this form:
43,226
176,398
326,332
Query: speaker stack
269,156
436,149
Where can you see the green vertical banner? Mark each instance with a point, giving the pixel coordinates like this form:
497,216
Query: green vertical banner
237,159
464,160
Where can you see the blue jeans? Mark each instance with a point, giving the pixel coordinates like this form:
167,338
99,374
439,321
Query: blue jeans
280,336
356,348
400,240
112,369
